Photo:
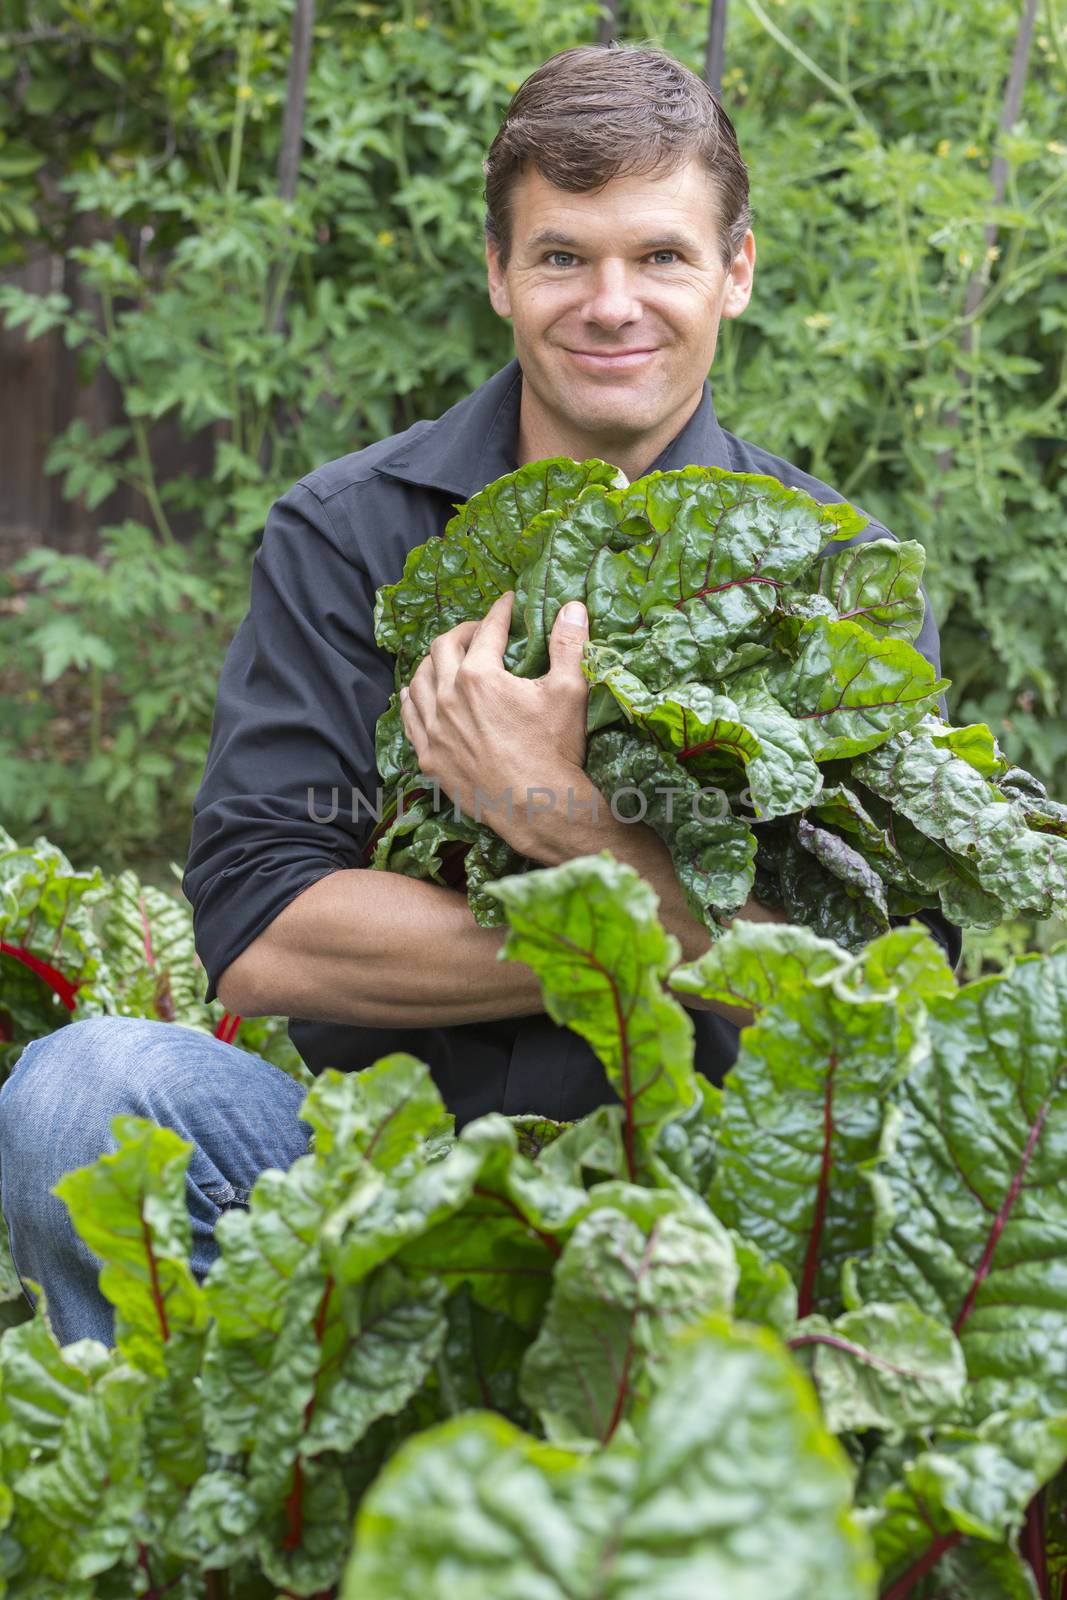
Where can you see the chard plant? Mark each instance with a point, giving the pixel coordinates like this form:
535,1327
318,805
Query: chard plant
739,651
78,944
801,1335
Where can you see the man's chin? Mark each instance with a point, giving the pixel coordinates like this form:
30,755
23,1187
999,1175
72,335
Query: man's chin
614,425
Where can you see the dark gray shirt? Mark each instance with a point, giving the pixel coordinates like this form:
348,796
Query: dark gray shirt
300,694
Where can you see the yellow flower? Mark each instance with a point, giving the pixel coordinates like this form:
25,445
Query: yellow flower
971,151
244,91
1055,148
422,21
818,319
385,238
944,147
919,409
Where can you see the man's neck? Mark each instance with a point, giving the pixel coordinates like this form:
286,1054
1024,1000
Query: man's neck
541,436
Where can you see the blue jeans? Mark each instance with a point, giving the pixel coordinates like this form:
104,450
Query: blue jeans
240,1113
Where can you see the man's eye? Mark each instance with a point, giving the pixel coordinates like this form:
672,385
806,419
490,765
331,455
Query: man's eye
658,254
560,258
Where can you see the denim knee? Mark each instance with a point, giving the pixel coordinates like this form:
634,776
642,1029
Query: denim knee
240,1113
79,1076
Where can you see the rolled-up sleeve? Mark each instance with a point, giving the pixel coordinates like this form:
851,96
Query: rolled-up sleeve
291,756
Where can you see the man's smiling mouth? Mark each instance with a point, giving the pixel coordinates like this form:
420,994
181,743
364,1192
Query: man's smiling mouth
612,360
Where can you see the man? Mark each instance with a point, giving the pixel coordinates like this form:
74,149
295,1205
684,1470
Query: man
618,238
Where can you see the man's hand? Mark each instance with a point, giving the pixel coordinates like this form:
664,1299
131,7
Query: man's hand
480,731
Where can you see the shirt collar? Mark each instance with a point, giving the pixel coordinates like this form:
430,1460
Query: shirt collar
475,442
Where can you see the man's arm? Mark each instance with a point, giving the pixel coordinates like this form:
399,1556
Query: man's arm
364,947
369,948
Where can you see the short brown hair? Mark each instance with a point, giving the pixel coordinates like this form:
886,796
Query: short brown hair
599,112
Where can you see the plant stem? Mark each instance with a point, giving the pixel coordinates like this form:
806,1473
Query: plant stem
1052,26
838,90
96,707
146,483
909,264
233,174
1033,1544
918,1569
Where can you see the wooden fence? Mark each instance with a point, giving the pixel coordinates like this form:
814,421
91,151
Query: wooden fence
41,394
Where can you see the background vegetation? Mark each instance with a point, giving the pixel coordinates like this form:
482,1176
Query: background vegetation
905,341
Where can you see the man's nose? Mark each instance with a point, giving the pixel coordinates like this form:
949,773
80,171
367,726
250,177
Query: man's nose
612,301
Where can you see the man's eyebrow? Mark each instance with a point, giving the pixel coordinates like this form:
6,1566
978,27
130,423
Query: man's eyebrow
661,241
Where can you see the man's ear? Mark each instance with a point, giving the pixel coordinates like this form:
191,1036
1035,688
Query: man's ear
499,298
738,291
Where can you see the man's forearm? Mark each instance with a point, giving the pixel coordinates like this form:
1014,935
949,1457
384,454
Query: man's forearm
379,950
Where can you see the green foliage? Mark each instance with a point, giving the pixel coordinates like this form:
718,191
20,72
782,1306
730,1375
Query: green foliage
142,140
519,1360
728,667
277,333
78,944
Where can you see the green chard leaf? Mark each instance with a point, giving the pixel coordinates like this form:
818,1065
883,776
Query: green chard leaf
638,1267
499,1230
850,692
130,1208
969,1485
151,955
477,1505
951,802
39,1386
694,592
877,584
384,1115
476,1213
79,1514
54,965
754,740
299,1364
890,1367
765,1292
758,963
687,1144
713,851
486,545
803,1107
972,1183
589,930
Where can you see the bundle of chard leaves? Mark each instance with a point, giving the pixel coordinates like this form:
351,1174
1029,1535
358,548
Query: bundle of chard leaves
756,698
800,1338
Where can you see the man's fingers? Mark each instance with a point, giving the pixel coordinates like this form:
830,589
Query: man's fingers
421,692
446,654
490,640
455,639
413,724
565,643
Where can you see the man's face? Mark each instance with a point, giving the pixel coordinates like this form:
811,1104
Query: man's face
615,299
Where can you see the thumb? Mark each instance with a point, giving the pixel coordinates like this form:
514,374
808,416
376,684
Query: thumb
569,633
